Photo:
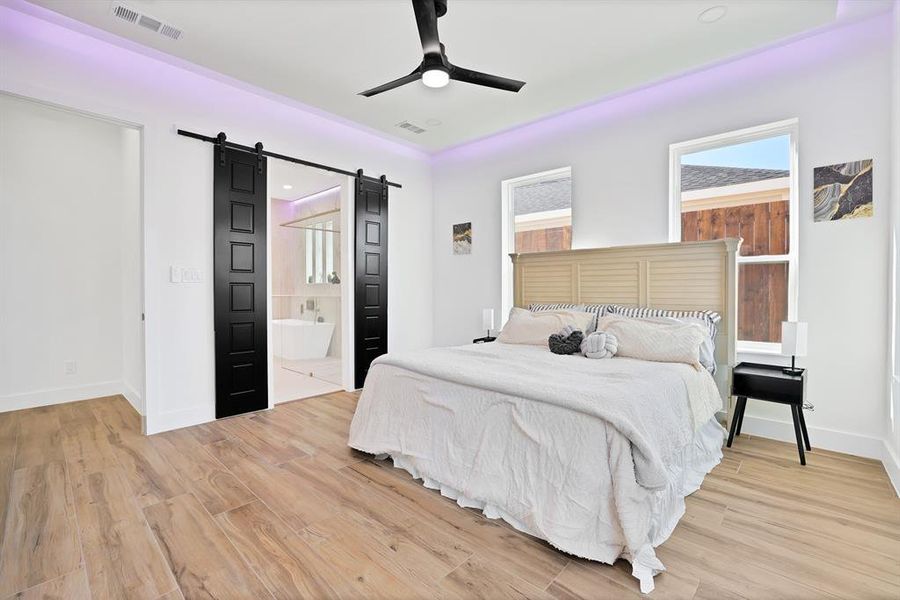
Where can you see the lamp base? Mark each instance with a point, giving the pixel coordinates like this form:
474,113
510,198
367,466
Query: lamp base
792,370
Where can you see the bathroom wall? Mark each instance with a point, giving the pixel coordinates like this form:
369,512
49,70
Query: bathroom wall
290,290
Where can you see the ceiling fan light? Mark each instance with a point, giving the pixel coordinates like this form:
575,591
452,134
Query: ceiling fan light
436,78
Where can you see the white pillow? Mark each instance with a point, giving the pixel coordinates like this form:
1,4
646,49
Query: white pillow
707,346
655,340
526,327
708,319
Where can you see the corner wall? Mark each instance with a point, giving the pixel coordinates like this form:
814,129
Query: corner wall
54,63
837,83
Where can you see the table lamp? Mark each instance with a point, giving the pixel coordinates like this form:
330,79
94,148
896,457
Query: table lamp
793,343
487,320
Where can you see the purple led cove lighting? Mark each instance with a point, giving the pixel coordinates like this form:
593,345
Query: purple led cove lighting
786,59
127,67
316,195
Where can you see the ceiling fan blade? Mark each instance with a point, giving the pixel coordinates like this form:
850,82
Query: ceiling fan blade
414,76
485,79
426,20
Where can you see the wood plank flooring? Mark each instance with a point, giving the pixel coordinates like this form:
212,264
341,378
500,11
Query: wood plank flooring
275,505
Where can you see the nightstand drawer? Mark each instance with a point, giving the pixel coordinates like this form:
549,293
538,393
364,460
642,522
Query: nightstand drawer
784,390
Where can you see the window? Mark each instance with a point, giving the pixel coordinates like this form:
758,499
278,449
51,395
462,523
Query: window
537,217
743,184
319,252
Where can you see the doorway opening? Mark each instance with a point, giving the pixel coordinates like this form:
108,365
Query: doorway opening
71,251
308,270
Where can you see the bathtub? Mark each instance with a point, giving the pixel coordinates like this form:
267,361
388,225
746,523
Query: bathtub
296,339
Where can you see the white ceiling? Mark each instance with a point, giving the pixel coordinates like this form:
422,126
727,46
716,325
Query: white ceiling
570,52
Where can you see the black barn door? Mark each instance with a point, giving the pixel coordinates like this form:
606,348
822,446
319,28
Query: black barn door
370,295
240,282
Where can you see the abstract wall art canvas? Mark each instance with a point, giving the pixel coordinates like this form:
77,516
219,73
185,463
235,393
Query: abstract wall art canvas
462,238
843,191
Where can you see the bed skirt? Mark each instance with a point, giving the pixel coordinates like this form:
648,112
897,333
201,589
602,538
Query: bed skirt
698,460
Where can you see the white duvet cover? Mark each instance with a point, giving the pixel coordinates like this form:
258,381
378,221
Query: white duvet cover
554,445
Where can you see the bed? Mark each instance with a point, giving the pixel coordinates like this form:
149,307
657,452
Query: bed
593,456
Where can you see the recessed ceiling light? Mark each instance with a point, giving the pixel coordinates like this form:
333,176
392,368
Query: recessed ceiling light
433,122
712,14
288,186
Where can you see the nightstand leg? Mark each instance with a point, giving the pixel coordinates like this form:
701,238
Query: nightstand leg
736,418
740,417
803,428
795,412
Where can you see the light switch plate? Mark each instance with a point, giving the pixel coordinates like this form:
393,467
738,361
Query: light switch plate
175,274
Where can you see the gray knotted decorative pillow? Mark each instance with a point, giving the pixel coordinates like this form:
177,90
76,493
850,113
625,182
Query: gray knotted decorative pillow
567,341
600,345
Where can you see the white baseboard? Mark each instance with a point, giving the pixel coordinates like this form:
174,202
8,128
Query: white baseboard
819,437
60,395
892,465
133,397
177,419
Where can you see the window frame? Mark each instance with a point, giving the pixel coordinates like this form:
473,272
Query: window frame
508,229
789,127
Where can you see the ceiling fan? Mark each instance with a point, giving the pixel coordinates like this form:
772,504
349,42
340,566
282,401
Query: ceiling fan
435,70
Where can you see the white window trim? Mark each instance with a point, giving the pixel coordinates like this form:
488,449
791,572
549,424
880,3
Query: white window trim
790,127
507,231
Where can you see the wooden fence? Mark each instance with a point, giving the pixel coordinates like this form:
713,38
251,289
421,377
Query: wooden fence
762,288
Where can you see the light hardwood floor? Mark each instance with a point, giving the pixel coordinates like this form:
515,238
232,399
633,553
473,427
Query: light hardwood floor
275,505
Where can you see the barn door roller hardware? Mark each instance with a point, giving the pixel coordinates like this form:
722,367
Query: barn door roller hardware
221,142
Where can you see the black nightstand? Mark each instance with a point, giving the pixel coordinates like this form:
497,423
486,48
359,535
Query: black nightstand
483,340
768,382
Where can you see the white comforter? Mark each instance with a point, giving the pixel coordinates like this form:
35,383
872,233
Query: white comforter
594,456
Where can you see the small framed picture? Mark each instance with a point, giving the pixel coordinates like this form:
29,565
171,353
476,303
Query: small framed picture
462,238
843,191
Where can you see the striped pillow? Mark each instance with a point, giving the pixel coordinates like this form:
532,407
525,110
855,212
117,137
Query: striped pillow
598,310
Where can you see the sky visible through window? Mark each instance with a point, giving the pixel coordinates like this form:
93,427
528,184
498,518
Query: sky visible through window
770,153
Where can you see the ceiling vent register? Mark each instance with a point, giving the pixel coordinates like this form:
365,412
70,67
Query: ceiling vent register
130,15
410,126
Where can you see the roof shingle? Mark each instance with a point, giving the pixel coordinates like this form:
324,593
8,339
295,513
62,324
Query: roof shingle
699,177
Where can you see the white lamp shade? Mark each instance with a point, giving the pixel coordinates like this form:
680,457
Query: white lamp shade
793,338
487,319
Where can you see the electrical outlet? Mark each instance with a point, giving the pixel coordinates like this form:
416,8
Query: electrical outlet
70,367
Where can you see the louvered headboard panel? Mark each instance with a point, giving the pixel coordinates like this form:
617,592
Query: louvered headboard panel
679,276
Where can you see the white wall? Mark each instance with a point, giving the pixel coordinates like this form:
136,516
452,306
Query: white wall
69,200
892,450
837,84
44,60
132,305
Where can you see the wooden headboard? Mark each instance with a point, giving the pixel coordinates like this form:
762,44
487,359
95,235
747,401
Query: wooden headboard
678,276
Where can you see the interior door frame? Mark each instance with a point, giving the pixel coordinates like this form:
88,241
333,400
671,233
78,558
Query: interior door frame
348,266
137,122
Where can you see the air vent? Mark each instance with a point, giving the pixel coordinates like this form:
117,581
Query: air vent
149,23
130,15
410,127
125,13
171,32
